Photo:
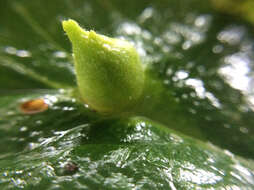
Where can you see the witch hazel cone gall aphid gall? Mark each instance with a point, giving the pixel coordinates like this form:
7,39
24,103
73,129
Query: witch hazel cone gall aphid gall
109,73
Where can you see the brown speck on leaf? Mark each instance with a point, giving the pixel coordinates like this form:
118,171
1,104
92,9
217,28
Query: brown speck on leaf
70,168
34,106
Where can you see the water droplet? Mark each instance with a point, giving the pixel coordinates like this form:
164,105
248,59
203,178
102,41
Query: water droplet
231,35
166,49
10,113
60,54
200,21
32,146
19,172
5,174
244,130
215,102
23,53
184,96
22,129
166,82
38,122
35,133
181,74
50,100
186,45
227,152
66,108
171,37
129,29
198,85
236,71
146,14
192,94
11,50
217,49
169,72
158,41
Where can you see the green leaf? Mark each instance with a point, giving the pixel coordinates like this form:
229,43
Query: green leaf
200,75
117,153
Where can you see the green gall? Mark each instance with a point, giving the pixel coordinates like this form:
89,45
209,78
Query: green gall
109,73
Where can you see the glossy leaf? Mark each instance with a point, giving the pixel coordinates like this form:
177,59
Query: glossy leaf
200,83
64,148
192,50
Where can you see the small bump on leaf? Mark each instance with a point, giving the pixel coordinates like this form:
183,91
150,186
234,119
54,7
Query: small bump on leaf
34,106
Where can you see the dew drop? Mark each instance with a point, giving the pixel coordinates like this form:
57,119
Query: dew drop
11,50
23,53
60,54
22,129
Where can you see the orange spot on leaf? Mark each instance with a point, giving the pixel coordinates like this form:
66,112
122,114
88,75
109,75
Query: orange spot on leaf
34,106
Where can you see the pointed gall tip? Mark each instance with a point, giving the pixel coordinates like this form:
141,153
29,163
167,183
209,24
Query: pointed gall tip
73,30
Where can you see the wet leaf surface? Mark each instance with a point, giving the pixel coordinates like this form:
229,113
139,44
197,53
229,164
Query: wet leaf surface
200,69
65,148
